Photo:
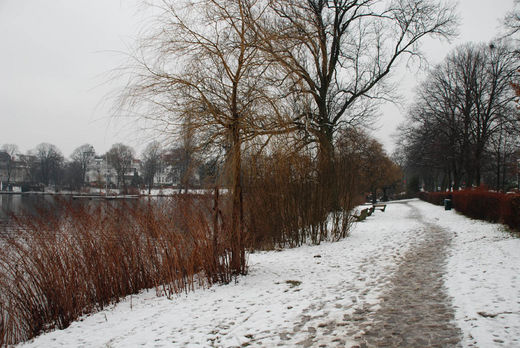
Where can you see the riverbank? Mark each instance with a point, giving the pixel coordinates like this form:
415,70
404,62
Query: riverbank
338,294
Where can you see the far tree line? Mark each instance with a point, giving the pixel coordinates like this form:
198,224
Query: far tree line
463,128
185,166
45,166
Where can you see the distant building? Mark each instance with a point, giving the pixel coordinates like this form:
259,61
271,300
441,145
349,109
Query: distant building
167,175
100,173
19,169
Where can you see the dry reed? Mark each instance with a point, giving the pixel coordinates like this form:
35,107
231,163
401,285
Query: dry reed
56,268
286,206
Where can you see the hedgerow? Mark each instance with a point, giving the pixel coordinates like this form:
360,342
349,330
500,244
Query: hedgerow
481,204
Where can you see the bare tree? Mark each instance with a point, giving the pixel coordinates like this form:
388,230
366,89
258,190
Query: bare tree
152,160
183,164
441,117
512,21
49,163
502,160
466,102
11,150
82,156
370,163
72,174
339,52
203,66
120,157
493,98
511,24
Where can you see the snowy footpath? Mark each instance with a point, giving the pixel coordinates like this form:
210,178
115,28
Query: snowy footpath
414,275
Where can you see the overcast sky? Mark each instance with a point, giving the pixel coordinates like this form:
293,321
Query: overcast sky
55,56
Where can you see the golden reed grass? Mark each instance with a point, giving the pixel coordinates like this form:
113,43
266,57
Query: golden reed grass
55,268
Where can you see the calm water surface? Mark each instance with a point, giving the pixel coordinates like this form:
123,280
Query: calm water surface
31,204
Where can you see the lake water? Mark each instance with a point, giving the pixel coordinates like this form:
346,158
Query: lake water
27,204
20,204
31,204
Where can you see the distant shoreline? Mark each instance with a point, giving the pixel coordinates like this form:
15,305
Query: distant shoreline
80,195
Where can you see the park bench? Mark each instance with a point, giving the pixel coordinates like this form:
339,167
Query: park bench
381,207
362,215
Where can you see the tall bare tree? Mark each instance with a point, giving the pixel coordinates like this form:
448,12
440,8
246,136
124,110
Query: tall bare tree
339,52
511,24
203,65
465,103
151,163
82,156
512,20
49,163
120,157
493,98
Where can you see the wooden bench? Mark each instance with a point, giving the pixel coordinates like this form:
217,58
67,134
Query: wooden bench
362,215
381,207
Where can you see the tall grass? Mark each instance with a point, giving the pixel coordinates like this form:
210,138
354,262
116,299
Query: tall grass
53,269
287,206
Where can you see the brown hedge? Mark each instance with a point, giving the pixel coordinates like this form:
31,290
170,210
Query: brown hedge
481,204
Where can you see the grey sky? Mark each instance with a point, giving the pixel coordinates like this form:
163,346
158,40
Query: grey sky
55,56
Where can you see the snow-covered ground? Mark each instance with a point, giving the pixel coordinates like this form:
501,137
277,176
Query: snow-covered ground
483,278
306,296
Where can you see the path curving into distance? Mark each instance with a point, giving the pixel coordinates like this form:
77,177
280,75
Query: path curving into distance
416,311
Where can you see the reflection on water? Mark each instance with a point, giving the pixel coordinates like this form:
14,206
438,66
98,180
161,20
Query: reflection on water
32,204
22,204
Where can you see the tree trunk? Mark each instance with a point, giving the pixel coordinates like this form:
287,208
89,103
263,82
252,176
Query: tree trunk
385,195
477,168
327,171
237,212
504,173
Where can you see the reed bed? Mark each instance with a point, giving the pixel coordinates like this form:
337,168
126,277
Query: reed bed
55,268
286,205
